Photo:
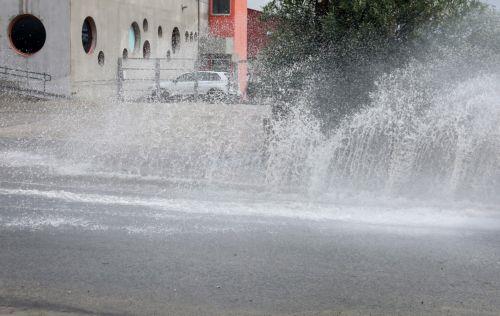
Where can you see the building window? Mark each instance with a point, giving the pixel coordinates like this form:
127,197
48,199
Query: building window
89,35
160,32
146,50
145,25
100,58
134,38
186,35
221,7
125,54
27,34
176,40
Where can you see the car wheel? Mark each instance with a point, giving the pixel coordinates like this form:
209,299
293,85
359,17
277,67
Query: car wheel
164,96
215,96
161,96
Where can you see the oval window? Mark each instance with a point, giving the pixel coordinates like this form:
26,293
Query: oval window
89,35
134,38
176,40
146,50
100,58
27,34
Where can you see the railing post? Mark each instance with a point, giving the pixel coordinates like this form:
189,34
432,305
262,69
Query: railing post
120,78
157,78
197,79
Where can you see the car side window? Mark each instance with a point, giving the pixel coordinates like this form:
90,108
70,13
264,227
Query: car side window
204,76
185,78
214,77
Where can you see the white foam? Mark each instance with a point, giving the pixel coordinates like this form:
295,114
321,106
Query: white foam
374,215
40,222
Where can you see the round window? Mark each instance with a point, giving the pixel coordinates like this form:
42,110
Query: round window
27,34
134,37
89,35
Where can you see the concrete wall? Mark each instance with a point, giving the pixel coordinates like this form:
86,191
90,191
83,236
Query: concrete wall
113,19
54,57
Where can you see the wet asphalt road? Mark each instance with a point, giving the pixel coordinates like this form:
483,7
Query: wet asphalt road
64,252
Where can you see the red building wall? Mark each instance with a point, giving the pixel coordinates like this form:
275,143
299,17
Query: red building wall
257,33
222,25
233,25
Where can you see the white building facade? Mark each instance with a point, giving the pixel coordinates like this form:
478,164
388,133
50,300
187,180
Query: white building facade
73,47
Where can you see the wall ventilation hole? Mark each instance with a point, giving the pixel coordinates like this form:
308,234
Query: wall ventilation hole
125,54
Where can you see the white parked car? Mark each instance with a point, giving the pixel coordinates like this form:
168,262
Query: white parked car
211,85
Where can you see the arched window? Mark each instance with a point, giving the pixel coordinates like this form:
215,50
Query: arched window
146,50
176,40
27,34
145,25
186,35
134,38
191,37
89,35
160,32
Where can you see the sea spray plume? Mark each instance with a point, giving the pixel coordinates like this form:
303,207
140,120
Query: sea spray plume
420,136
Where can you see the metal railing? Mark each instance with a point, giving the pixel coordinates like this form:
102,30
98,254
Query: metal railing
22,80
